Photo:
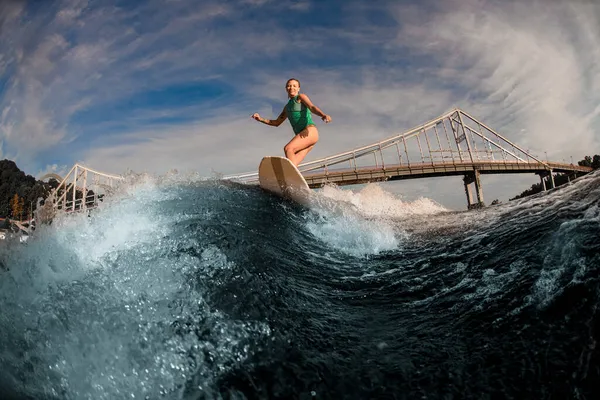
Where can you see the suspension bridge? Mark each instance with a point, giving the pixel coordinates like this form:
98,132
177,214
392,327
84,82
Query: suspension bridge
452,144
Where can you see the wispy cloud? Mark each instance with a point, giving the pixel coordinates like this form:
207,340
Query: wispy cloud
528,68
86,56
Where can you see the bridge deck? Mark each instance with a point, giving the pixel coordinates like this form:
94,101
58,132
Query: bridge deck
360,175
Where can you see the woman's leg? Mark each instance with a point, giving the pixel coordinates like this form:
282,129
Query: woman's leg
301,144
302,153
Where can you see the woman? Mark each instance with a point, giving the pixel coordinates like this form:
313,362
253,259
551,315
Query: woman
298,112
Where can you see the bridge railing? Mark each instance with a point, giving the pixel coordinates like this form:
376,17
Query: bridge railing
83,188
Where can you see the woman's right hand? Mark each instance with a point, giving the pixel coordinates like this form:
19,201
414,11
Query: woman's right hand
256,116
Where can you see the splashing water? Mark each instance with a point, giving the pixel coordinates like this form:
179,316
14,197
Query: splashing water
186,288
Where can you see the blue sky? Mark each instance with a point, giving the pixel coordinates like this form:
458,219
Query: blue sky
156,85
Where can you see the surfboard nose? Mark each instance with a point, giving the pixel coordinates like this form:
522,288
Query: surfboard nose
280,176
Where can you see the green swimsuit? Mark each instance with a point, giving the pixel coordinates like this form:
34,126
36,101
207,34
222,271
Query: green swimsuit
298,114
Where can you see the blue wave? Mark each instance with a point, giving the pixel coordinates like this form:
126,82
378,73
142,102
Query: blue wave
210,289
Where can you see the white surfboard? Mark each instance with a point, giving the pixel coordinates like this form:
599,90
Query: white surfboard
279,176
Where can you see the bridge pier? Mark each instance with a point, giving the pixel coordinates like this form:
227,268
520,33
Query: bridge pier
543,176
469,178
543,182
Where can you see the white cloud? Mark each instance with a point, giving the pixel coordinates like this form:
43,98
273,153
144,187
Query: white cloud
202,147
91,55
60,170
303,6
523,65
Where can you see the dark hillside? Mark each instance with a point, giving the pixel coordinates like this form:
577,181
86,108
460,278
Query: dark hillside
26,187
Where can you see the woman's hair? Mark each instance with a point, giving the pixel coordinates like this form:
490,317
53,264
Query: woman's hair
292,79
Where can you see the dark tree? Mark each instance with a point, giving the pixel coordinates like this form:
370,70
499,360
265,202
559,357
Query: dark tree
561,179
596,161
14,181
586,162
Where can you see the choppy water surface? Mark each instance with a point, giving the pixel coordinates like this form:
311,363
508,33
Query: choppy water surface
206,290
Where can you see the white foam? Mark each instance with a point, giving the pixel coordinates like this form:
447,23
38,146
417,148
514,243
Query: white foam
100,293
373,200
366,222
351,233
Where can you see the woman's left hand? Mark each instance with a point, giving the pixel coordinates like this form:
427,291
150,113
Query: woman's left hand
326,118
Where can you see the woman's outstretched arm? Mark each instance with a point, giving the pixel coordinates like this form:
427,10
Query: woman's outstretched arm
314,109
271,122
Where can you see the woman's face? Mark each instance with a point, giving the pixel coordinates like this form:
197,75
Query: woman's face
292,88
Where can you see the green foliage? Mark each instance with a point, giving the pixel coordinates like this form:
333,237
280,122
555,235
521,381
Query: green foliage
588,161
13,182
596,161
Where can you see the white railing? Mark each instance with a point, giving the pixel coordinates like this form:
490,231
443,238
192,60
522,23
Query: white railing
83,188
